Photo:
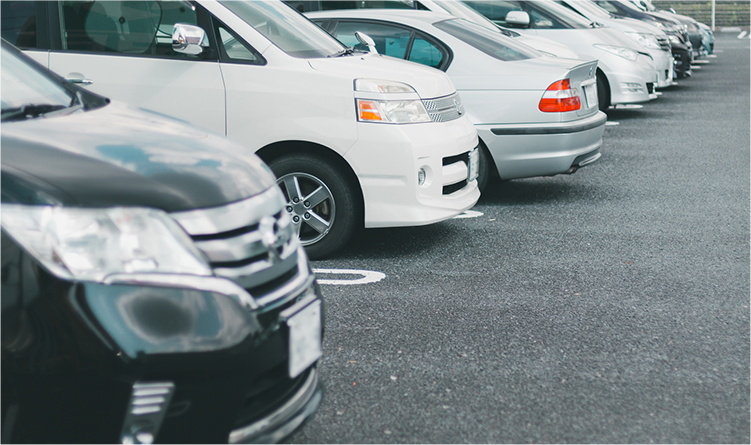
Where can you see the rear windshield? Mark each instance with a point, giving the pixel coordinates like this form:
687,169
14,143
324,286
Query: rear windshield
491,43
286,28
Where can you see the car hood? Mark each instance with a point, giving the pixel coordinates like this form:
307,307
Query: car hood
118,155
428,82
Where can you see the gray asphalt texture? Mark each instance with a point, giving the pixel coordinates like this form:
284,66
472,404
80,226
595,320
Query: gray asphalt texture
608,306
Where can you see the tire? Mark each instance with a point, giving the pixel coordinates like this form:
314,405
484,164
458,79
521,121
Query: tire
487,166
603,91
320,200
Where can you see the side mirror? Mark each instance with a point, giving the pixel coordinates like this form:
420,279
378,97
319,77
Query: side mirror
518,19
189,39
367,41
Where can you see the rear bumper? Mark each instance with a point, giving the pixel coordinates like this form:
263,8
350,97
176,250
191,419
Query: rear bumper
523,151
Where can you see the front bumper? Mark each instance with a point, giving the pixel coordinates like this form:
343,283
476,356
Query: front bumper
523,151
387,159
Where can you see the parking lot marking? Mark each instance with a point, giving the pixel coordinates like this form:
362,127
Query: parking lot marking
712,56
368,276
695,67
700,62
628,106
611,124
742,34
468,214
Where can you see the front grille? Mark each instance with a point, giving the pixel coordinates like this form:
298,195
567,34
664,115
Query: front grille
444,109
664,43
268,393
250,242
463,158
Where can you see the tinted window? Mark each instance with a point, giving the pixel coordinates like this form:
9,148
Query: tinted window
18,23
124,27
390,40
426,53
491,43
495,10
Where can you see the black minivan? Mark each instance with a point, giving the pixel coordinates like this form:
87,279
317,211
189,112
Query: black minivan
153,289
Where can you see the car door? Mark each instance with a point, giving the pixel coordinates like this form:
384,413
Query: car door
123,50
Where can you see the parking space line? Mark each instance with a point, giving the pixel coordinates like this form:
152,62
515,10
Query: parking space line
368,276
468,214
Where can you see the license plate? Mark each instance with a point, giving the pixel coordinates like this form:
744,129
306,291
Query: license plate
474,165
304,338
590,95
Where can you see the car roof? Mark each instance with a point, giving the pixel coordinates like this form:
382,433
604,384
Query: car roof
398,15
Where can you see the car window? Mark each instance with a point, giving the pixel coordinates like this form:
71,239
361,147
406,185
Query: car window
544,21
390,40
124,27
495,10
233,48
18,23
426,53
607,6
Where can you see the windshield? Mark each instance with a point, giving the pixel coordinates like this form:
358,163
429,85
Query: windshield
562,14
590,10
286,28
491,43
465,12
26,92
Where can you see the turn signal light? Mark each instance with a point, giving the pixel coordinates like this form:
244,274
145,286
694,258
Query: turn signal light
560,97
368,110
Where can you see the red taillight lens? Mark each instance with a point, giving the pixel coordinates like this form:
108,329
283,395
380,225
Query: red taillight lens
559,97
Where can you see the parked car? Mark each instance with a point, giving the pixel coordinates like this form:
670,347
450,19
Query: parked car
152,285
680,46
708,38
535,115
626,74
352,137
653,40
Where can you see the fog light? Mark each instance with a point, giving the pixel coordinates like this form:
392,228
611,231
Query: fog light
421,176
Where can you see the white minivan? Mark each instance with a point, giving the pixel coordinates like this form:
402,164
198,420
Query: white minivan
355,139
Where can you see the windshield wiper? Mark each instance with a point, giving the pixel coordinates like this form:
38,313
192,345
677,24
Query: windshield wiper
345,52
29,111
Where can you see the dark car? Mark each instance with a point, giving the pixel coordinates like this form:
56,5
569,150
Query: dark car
680,45
152,287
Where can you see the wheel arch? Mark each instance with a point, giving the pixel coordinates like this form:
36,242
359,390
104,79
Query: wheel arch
602,76
283,148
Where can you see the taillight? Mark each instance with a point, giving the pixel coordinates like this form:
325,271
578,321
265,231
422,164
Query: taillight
560,97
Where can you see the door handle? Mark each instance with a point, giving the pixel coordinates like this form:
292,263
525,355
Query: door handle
81,81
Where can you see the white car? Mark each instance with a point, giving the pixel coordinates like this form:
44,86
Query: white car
355,139
536,115
626,75
653,40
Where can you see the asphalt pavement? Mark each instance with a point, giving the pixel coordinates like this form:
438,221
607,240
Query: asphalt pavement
608,306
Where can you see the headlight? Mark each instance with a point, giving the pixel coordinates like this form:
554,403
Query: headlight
674,39
403,107
90,244
392,111
644,39
619,51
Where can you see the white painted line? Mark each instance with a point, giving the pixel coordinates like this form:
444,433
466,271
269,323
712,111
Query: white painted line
700,62
611,124
694,67
658,93
468,214
742,34
368,276
712,56
628,106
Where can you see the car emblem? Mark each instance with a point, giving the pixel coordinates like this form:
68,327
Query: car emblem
458,108
271,238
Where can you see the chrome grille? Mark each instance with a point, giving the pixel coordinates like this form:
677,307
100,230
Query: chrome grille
664,43
444,109
250,242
